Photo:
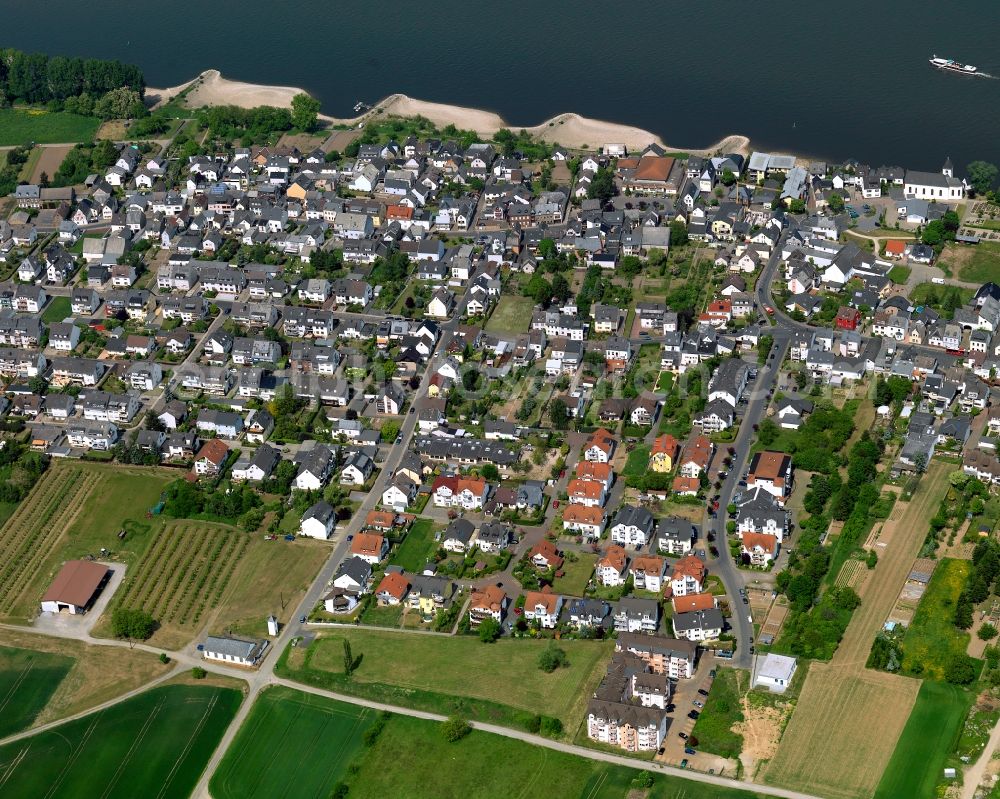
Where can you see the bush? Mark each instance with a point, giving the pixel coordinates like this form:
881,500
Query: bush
987,632
198,673
643,780
551,658
164,658
455,729
489,630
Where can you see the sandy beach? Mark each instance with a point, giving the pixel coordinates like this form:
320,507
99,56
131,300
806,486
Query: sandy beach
568,129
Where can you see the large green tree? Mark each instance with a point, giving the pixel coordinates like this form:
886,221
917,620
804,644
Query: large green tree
305,110
982,176
134,624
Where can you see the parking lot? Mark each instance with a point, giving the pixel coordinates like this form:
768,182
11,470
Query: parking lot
686,693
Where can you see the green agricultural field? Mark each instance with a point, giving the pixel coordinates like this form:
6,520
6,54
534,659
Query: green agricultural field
929,736
411,758
433,673
417,548
512,315
722,710
285,730
57,310
576,575
26,125
155,744
932,638
27,681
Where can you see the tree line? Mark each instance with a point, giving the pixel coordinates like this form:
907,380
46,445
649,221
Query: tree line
38,79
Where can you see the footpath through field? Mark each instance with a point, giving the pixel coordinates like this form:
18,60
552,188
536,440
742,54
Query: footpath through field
847,720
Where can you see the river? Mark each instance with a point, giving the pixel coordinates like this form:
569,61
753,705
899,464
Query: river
834,80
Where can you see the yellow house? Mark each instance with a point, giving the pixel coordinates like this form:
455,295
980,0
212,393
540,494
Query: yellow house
661,456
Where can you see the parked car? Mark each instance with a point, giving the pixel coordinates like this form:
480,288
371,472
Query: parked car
696,703
703,692
689,751
693,714
682,735
302,619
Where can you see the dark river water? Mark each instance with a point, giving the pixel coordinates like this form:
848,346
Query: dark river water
836,80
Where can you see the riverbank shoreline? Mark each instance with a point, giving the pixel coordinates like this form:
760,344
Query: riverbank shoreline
567,129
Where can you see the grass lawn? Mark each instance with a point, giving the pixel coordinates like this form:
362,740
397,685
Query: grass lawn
155,744
984,264
932,639
899,274
27,681
411,758
433,673
637,463
665,382
285,730
24,125
417,548
576,575
272,575
57,310
713,729
384,616
512,315
930,734
922,291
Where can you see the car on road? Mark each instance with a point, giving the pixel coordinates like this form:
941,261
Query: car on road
412,409
689,751
746,601
769,310
399,439
693,714
682,735
696,703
